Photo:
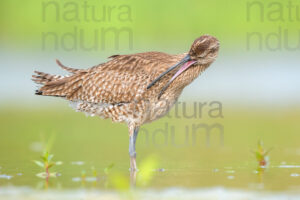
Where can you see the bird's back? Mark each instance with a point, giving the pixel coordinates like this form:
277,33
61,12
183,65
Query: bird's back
122,79
105,88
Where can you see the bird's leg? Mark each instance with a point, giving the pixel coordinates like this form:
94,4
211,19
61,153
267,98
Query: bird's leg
133,179
132,153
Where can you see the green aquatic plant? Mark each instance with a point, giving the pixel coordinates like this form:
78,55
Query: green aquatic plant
108,168
84,178
46,164
261,155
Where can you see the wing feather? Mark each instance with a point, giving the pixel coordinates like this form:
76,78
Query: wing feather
124,78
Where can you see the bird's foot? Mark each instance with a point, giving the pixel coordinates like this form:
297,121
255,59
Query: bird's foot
133,170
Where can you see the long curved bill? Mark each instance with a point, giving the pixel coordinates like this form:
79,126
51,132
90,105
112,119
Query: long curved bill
184,60
182,69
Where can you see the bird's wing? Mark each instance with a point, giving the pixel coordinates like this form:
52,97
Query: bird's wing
122,79
112,86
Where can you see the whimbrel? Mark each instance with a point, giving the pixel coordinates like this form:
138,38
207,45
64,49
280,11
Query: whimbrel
134,89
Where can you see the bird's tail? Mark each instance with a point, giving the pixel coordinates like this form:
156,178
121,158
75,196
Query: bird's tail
57,85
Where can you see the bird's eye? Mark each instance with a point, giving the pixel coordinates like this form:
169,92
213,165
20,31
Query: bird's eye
212,51
202,55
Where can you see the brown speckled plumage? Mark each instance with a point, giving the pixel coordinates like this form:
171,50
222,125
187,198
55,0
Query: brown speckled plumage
118,90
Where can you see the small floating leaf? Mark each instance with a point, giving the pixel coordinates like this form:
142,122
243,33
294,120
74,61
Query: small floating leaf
58,163
42,175
53,174
4,176
45,175
77,163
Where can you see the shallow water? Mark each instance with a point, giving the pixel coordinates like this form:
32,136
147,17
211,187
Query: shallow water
282,177
219,170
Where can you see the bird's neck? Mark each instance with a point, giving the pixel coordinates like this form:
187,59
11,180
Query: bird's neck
191,74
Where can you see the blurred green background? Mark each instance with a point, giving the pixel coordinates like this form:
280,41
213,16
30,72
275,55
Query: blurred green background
162,25
258,87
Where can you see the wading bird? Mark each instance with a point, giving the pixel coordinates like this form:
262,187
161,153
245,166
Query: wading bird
134,89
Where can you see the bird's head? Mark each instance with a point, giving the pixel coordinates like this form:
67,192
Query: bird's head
203,52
